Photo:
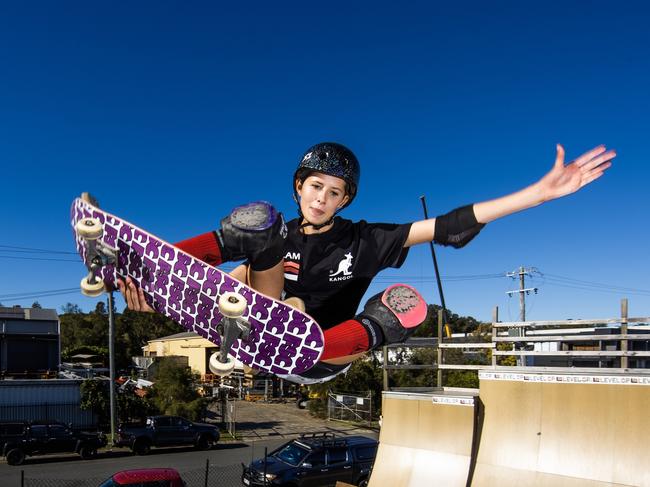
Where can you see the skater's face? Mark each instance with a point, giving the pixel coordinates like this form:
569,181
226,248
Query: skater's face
320,196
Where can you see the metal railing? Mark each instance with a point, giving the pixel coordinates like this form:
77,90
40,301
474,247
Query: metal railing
619,345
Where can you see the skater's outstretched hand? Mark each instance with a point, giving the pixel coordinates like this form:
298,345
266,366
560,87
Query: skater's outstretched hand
566,179
133,296
560,181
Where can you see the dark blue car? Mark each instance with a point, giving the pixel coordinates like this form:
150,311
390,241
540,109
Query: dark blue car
315,460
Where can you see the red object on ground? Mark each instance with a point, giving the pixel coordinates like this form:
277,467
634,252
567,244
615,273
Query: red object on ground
128,477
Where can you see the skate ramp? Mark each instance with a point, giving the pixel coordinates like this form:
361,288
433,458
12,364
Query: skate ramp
425,439
563,430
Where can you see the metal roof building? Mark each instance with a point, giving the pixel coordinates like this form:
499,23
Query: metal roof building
29,342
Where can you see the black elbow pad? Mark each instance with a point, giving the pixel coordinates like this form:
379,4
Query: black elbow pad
457,228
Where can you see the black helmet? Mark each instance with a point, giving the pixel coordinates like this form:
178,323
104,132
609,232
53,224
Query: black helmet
332,159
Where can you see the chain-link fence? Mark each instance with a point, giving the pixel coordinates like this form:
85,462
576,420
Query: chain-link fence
349,408
229,417
211,476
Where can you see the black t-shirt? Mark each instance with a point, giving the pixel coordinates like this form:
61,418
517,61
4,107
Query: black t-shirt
331,271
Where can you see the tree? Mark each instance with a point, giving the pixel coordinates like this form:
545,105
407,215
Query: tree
461,378
417,377
80,329
70,308
37,305
175,393
132,330
100,308
95,396
132,407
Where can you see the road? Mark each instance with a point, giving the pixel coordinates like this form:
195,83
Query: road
259,426
190,462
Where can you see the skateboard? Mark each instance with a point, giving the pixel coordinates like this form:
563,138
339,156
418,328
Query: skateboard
261,332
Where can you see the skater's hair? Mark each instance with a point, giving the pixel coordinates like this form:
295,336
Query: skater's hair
303,173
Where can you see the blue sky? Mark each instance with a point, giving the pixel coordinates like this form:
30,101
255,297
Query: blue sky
171,113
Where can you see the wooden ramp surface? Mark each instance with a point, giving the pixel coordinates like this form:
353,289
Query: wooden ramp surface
563,430
425,439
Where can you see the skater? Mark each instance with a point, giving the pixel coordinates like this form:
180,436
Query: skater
329,262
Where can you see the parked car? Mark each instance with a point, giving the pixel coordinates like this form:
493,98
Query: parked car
166,431
146,477
315,459
21,439
10,431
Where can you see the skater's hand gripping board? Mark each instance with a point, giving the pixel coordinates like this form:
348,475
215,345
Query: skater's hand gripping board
282,339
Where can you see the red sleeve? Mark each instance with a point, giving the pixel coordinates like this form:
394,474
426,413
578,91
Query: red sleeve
204,247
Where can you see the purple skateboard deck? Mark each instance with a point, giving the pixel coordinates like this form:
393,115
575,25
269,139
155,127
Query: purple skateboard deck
282,340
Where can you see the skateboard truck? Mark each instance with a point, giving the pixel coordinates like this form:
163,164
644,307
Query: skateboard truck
98,255
231,328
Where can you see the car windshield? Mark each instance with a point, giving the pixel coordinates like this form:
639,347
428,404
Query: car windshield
292,454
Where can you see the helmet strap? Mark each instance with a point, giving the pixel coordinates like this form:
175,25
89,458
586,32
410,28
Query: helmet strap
307,223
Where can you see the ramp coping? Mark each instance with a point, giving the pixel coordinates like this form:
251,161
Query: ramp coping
438,397
565,378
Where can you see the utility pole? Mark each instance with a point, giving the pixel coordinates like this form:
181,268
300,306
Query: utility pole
523,291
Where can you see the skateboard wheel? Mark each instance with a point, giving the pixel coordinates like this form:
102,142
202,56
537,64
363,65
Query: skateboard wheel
220,368
89,228
91,289
232,304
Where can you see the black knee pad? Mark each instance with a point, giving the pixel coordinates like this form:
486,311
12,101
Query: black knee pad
389,312
255,232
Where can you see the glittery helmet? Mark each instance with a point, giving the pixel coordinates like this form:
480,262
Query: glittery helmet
334,160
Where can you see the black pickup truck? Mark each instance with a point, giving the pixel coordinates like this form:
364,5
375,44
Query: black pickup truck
166,431
21,439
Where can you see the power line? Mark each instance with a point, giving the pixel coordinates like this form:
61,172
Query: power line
42,295
398,278
15,257
596,289
13,248
570,280
35,293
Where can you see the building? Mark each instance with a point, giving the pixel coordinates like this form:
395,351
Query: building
195,351
44,400
635,344
187,344
30,345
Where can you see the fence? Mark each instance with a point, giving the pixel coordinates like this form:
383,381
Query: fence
229,411
345,407
208,476
618,344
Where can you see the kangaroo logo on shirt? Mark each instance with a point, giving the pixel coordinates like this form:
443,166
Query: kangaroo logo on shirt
343,272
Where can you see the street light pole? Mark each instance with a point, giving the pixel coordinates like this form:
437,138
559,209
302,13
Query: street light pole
111,362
